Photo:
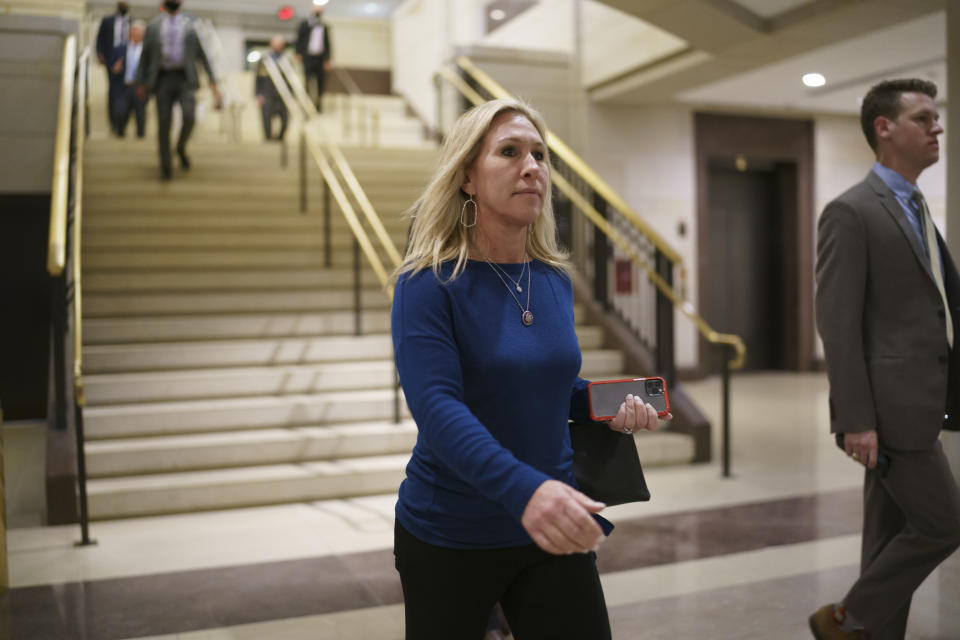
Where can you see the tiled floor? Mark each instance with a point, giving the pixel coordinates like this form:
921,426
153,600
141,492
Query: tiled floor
746,557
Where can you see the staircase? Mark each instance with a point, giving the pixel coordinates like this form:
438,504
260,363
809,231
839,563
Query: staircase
221,369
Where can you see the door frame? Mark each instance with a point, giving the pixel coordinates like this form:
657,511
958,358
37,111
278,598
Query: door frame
777,140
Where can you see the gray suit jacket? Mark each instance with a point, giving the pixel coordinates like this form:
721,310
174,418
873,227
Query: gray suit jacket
882,321
152,57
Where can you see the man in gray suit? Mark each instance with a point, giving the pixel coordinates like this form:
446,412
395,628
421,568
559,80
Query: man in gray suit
888,302
168,69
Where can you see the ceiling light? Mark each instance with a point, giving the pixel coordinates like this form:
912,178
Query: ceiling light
814,80
320,3
253,56
370,7
498,14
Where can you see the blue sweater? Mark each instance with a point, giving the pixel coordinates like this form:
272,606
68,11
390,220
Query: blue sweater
491,399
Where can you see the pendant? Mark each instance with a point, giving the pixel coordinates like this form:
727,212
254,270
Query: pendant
526,318
519,289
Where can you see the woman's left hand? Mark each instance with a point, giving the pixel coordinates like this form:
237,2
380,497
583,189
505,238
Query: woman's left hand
634,415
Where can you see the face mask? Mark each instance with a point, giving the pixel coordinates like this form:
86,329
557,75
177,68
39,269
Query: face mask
172,6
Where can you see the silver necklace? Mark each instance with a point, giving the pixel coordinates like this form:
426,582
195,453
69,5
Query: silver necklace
516,283
526,316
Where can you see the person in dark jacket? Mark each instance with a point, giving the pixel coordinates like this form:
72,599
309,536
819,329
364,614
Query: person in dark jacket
271,104
313,49
122,64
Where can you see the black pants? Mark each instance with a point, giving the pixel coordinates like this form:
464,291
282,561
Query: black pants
449,593
317,75
171,88
127,102
273,107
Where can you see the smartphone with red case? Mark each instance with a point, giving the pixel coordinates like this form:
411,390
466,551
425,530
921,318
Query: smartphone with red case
606,396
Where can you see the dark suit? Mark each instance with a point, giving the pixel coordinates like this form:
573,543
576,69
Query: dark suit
891,368
314,65
171,85
105,47
123,96
272,102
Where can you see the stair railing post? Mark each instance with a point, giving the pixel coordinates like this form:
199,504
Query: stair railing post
327,242
358,325
726,352
601,257
303,171
58,336
666,363
79,402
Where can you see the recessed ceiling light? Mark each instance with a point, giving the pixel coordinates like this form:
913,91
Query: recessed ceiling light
253,56
498,14
320,3
814,80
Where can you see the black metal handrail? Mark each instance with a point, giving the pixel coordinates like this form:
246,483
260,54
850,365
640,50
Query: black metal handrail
66,222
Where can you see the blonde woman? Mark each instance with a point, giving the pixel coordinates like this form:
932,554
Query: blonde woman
485,345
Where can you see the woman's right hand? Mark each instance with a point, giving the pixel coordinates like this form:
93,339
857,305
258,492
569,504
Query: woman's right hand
558,518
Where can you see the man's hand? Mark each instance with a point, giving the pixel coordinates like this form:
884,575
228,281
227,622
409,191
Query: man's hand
327,65
217,97
260,100
118,66
862,447
142,92
101,58
559,521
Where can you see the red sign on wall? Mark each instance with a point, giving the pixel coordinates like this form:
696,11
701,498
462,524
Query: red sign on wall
624,271
285,12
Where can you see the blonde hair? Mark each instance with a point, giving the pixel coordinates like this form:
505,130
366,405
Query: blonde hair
436,235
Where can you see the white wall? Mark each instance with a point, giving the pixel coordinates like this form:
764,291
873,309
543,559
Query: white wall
420,42
615,42
647,155
546,26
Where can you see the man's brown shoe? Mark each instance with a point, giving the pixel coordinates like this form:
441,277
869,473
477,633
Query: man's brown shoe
825,625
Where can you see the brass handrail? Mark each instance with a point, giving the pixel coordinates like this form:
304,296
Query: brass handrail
60,189
576,163
81,124
331,179
342,165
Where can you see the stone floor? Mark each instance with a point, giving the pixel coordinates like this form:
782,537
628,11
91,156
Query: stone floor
745,557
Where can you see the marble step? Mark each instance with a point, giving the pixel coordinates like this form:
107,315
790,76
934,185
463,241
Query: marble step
95,222
245,486
102,331
211,259
100,190
287,206
232,414
135,456
151,385
235,382
137,495
116,358
222,279
213,302
191,239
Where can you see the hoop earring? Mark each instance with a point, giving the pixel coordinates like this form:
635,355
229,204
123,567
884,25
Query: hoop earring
463,213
